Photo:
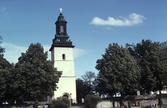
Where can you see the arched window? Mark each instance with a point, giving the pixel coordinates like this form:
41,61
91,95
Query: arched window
63,56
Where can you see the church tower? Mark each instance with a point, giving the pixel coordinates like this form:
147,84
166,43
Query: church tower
62,55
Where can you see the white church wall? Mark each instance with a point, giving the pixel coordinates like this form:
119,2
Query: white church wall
67,65
58,51
67,82
66,85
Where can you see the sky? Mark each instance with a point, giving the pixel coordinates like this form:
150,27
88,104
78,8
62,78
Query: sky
92,26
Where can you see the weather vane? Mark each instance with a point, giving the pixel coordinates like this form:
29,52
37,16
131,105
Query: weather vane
61,10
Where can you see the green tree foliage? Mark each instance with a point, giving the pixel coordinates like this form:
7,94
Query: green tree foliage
152,60
5,74
89,79
118,71
142,54
1,48
2,72
91,101
35,76
82,89
85,85
153,64
61,103
9,91
163,58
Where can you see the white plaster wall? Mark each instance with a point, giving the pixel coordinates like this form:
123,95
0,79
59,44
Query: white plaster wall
67,65
67,82
58,51
66,85
106,104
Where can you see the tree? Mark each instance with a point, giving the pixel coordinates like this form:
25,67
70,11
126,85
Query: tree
85,85
163,59
5,75
153,64
89,78
91,101
35,76
152,61
61,103
141,52
82,89
1,48
118,71
9,91
2,72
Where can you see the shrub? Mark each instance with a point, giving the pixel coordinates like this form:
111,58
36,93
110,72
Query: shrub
35,105
61,103
91,101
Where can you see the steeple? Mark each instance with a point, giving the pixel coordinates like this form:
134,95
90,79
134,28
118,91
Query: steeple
61,37
63,59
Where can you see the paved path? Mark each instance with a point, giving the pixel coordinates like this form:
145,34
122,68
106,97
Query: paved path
77,106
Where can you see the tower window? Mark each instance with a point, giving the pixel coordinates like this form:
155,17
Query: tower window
61,29
63,56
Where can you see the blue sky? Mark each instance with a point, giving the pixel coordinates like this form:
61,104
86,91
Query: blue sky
92,25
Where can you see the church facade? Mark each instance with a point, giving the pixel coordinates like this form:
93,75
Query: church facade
63,58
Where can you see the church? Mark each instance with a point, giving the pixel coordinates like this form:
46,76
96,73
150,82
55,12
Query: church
63,58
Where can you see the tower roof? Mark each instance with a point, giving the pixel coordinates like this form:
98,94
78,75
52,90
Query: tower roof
61,17
61,38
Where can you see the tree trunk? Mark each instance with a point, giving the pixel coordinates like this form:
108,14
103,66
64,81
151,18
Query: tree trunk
160,99
121,101
113,102
36,104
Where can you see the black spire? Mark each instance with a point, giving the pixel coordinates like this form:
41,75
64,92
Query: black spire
61,38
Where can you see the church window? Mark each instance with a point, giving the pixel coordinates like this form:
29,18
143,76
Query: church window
63,56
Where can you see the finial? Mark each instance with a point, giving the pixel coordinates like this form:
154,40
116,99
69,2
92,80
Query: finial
61,10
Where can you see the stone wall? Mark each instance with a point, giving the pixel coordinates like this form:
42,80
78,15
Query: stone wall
133,101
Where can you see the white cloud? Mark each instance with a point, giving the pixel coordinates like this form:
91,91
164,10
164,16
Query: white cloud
3,12
13,51
79,73
133,19
2,9
79,52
